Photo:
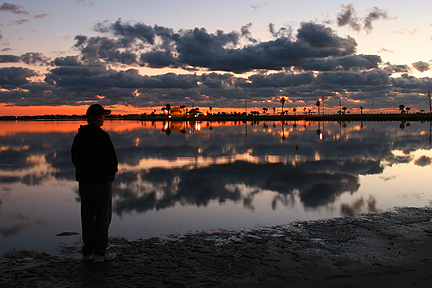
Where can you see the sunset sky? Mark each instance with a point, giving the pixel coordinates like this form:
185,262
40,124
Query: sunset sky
133,56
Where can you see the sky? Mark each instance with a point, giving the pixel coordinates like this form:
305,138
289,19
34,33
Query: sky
136,56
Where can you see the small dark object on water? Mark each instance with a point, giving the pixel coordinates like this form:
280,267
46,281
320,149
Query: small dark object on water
67,234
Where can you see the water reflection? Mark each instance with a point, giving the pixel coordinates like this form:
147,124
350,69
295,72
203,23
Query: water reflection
276,166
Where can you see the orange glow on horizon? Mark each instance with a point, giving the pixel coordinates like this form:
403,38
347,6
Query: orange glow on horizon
6,110
8,128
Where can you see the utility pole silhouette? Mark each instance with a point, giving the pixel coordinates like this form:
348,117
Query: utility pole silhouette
430,109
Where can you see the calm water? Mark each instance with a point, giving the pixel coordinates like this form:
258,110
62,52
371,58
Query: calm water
201,176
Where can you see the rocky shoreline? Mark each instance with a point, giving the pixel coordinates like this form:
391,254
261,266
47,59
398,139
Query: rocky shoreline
385,249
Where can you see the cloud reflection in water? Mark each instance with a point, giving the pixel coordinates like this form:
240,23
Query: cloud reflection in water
225,162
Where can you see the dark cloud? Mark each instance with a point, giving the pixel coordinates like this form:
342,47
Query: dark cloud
357,206
98,76
33,58
373,77
348,17
390,68
67,61
9,59
159,59
410,84
280,80
352,62
285,32
245,32
80,40
15,76
28,58
218,51
315,188
421,66
423,161
374,15
7,7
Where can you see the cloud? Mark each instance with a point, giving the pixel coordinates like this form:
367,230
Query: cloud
33,58
374,15
164,188
391,68
20,22
15,9
220,51
7,7
423,161
364,78
347,63
421,66
348,17
86,2
15,76
9,59
386,50
67,61
305,64
357,206
258,5
284,32
41,16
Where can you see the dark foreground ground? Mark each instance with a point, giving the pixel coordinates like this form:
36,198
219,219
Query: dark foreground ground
392,249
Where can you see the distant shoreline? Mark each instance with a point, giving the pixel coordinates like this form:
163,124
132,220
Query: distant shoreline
234,117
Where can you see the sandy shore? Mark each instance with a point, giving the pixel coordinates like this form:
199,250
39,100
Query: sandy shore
388,249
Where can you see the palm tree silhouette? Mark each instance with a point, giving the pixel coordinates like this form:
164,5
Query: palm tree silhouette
282,100
166,108
318,103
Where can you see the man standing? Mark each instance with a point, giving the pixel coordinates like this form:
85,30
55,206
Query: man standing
95,161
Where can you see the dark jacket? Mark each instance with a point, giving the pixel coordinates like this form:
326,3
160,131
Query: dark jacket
93,155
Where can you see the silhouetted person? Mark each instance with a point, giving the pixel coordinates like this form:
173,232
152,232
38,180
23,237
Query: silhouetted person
95,160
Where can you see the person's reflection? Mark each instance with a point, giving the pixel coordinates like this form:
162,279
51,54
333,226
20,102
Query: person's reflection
283,137
320,132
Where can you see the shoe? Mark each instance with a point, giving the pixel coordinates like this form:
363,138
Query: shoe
107,257
87,258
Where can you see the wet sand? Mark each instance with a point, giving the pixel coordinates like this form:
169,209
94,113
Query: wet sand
387,249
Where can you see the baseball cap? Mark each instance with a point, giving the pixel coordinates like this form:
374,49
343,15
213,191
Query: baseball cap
96,109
